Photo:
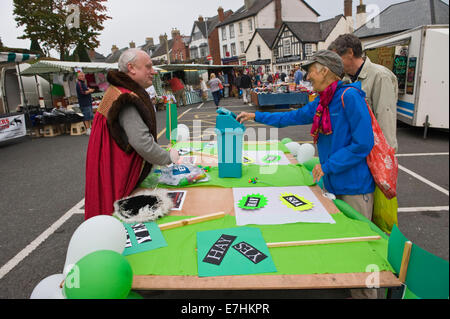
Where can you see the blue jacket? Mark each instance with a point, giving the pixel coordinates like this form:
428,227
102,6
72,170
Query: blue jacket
298,77
343,153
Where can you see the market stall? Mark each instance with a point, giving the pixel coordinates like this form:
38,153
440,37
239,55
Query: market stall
62,114
282,95
190,74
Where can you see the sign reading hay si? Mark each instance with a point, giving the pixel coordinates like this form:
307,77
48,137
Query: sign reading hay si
249,256
219,249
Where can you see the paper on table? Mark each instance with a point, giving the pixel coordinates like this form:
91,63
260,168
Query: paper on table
267,157
277,213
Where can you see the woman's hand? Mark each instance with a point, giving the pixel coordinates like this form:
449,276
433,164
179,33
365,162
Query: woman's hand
243,116
317,173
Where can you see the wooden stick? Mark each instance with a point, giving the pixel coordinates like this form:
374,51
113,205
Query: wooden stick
322,241
405,261
190,221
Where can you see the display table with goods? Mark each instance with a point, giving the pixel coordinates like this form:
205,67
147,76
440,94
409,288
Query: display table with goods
282,95
272,228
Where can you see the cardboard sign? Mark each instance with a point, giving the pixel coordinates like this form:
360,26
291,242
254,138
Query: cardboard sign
143,237
249,256
218,251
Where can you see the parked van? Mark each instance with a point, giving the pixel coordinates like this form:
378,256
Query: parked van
18,91
420,59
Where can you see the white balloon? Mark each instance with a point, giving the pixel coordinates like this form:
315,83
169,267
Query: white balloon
305,153
49,288
102,232
182,133
293,147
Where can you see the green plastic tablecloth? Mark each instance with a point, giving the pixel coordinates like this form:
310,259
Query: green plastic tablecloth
268,176
180,257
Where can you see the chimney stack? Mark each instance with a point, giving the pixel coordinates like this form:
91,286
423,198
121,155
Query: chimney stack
149,40
361,15
249,3
175,32
221,14
161,39
132,45
200,19
278,14
114,49
348,8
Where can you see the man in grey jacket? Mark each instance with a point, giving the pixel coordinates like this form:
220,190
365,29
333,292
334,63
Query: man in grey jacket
377,81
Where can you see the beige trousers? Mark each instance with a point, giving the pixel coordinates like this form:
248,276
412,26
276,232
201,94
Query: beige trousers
364,205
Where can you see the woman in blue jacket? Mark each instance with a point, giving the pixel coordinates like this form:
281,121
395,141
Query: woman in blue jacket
341,128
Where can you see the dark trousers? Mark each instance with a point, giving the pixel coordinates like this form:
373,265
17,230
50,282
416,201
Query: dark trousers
216,96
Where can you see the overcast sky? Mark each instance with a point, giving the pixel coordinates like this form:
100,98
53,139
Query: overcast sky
134,20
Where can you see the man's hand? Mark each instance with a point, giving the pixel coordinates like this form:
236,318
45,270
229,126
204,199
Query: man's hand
243,116
174,156
317,173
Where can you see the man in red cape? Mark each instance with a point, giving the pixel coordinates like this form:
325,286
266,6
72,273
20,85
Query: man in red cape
122,145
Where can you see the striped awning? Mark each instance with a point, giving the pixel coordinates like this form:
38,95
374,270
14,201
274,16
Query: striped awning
16,57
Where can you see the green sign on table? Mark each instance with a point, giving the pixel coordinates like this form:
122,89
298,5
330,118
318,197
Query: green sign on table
143,237
233,251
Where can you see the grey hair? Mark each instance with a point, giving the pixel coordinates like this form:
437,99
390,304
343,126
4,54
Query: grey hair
126,58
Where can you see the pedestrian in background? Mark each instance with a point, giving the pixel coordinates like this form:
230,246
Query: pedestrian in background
246,85
214,84
85,101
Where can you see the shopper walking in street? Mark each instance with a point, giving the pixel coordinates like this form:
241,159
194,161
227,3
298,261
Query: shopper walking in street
123,144
177,87
246,85
84,95
215,84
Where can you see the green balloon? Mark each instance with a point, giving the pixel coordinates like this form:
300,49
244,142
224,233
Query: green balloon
103,274
286,140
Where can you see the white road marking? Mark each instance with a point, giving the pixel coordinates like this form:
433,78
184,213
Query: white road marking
164,130
421,154
6,268
423,209
200,106
423,179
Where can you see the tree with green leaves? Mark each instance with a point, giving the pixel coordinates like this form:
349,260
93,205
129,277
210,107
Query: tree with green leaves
61,24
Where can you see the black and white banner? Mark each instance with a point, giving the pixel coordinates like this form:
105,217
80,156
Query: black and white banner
12,127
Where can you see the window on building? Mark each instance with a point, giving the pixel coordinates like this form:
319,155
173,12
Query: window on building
194,53
309,49
233,49
224,33
242,45
250,25
286,47
202,52
231,31
258,49
225,49
241,28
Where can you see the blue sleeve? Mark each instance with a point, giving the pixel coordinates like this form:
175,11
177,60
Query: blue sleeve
360,123
81,88
303,115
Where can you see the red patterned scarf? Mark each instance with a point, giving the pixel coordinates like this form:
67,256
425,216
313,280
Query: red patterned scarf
321,121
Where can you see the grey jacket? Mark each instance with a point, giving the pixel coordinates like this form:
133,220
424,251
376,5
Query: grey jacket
140,138
381,88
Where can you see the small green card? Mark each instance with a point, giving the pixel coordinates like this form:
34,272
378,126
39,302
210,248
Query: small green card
143,237
233,251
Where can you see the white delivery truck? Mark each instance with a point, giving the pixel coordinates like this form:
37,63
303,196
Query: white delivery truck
420,59
16,91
